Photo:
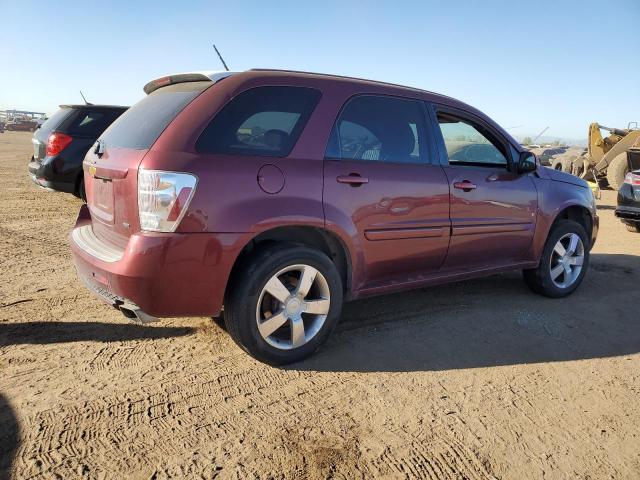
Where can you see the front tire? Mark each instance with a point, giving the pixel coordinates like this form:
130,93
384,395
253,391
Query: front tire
283,303
564,261
617,170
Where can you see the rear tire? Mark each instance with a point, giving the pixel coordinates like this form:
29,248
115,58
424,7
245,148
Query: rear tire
562,164
557,275
567,165
616,171
577,166
287,325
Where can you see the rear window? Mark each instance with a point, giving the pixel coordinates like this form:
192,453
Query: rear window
92,122
140,126
55,120
262,121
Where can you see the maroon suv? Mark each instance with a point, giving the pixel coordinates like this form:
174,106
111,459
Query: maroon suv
279,194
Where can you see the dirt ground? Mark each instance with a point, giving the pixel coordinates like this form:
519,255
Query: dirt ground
474,380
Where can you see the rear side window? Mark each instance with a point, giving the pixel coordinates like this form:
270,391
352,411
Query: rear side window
92,123
140,126
55,120
378,128
263,121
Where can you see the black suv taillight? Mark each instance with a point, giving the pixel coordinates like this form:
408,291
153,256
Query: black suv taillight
57,142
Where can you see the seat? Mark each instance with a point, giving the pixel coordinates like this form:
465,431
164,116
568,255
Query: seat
398,142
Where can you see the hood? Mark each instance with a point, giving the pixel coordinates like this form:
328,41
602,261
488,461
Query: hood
564,177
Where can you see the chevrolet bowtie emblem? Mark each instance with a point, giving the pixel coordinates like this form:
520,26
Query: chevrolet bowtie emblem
92,170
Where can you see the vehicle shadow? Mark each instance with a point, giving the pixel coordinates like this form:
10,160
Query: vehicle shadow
35,333
9,436
488,322
606,207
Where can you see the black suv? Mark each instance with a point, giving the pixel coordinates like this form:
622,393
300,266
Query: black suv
60,144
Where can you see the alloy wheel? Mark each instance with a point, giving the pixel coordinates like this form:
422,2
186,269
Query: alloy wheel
293,306
566,260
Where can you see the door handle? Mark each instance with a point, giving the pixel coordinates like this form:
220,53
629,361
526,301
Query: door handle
466,185
353,179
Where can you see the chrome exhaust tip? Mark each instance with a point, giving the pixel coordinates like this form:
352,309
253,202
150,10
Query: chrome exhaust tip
133,312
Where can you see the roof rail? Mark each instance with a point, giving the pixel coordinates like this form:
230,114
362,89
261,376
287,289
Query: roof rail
332,75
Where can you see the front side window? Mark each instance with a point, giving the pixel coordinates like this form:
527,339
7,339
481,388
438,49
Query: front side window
468,143
263,121
378,128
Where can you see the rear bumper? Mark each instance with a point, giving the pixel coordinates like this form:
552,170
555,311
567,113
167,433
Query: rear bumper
628,204
165,275
42,175
628,214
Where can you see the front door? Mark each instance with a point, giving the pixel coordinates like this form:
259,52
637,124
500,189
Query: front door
381,189
493,209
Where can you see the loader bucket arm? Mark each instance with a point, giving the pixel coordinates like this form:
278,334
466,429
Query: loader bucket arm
595,143
622,146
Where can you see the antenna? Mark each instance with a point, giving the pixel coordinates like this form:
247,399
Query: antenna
539,135
220,57
85,100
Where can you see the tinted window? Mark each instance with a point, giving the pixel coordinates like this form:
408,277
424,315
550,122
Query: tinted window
379,128
265,121
92,123
468,143
141,125
55,120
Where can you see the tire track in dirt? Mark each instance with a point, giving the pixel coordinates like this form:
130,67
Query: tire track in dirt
302,440
165,410
438,456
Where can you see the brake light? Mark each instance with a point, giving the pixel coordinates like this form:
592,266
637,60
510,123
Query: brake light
57,142
632,179
163,198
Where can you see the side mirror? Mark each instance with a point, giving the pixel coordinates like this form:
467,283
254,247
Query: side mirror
527,163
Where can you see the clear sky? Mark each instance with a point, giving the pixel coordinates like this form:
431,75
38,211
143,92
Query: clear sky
543,63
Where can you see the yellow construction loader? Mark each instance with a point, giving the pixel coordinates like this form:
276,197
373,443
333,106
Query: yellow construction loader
606,157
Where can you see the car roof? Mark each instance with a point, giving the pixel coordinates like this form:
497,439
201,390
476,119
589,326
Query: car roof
215,76
391,88
346,78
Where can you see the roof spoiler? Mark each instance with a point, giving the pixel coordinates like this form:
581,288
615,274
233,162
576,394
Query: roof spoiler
185,77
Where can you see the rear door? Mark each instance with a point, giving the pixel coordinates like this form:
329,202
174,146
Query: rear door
380,186
493,209
111,165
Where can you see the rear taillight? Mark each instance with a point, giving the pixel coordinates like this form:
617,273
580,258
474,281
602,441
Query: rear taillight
632,179
57,142
163,198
